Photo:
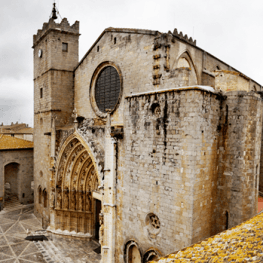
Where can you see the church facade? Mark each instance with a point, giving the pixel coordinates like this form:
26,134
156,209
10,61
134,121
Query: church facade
148,144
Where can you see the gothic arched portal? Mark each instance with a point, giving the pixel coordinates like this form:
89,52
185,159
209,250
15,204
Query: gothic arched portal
76,180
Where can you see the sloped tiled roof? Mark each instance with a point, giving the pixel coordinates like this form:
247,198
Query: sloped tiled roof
9,143
243,243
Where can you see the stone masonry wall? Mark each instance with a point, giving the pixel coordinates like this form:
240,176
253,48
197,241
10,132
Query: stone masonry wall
53,73
24,159
170,147
131,53
239,159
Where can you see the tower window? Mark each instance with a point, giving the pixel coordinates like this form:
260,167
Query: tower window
98,48
115,40
41,93
65,47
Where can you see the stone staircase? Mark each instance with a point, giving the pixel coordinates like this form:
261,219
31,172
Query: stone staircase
51,253
58,250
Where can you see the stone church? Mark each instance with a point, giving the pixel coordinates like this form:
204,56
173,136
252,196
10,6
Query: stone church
147,144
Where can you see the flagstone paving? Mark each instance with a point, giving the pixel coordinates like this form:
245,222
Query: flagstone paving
14,228
16,225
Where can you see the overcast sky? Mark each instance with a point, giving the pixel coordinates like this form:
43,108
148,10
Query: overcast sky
229,29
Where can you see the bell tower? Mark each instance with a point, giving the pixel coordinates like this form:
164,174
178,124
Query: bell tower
56,48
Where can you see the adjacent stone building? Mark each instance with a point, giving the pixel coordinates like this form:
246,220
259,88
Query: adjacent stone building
16,170
17,130
148,143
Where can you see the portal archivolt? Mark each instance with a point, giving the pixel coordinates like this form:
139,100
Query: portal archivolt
76,180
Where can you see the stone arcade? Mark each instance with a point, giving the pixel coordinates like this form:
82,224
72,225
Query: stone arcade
148,144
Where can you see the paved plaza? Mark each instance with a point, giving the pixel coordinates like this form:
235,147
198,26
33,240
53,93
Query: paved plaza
14,228
16,225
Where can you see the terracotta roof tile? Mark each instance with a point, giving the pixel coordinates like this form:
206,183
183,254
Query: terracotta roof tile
8,142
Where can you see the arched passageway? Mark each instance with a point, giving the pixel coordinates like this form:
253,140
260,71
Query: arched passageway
134,255
76,181
11,171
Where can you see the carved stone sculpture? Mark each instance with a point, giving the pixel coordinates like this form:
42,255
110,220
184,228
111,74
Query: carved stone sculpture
52,199
59,200
88,202
80,204
86,123
101,232
73,201
66,201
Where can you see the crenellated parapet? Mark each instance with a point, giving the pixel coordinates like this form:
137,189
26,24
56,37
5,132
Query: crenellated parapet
183,37
64,27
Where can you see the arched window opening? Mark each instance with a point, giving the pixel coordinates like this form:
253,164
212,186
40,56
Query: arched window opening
185,61
153,257
150,255
45,198
39,195
134,255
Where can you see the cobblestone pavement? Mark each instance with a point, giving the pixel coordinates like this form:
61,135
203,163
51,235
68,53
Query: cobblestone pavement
16,225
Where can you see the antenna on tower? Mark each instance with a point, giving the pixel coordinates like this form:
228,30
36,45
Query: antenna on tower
54,12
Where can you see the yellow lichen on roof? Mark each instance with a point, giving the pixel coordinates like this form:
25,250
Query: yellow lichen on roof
8,142
243,243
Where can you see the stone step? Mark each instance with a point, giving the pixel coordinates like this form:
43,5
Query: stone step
48,258
52,250
51,253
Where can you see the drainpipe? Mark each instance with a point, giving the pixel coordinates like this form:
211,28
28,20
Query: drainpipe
109,198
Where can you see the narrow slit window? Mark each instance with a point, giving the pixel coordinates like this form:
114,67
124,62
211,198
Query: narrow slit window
39,195
41,93
115,40
98,48
65,47
45,198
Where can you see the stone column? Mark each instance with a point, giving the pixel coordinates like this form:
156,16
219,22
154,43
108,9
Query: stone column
109,198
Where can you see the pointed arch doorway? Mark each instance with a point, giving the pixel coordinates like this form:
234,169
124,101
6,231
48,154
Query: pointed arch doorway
76,184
